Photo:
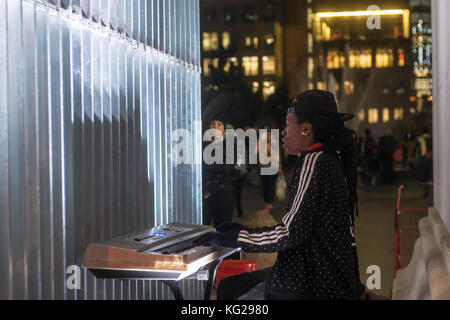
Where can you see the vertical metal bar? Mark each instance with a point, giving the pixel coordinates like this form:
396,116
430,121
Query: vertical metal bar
67,151
15,133
98,147
77,138
31,209
5,248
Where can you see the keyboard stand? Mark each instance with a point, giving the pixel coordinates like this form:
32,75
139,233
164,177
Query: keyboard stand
165,253
174,285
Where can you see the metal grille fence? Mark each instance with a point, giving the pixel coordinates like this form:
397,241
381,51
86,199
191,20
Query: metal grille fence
90,92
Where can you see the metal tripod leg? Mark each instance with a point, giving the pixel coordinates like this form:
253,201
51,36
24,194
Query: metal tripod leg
212,276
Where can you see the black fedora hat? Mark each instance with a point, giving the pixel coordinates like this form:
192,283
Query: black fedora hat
317,100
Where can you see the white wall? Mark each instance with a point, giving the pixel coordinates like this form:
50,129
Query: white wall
441,107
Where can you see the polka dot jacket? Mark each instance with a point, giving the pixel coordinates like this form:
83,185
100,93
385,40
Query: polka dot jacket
315,243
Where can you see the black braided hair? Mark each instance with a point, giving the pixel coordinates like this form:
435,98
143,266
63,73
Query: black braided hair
329,129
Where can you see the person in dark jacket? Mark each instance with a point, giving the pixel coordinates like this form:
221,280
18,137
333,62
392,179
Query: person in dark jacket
386,149
317,255
218,180
369,158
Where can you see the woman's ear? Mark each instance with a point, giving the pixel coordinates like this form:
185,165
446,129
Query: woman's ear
309,128
306,129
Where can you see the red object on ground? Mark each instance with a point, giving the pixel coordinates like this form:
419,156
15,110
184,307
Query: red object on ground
399,229
228,268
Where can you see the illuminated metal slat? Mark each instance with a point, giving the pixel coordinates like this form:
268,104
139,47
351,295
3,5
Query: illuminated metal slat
5,213
89,94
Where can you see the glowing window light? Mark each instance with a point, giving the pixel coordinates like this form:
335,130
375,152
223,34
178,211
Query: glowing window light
226,40
362,115
268,89
255,87
210,41
373,115
250,65
398,114
384,58
386,115
335,59
361,59
401,58
269,65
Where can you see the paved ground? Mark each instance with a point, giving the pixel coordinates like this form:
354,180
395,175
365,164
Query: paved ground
375,232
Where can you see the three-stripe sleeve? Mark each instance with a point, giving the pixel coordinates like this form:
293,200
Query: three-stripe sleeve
297,224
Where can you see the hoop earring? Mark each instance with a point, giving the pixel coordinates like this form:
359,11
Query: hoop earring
304,134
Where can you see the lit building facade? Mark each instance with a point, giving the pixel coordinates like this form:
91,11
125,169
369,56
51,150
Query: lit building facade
365,58
422,45
246,33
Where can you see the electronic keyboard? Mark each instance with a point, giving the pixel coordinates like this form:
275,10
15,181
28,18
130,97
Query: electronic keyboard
161,253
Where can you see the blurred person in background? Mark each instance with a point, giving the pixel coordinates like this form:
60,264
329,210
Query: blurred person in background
369,160
218,180
425,160
386,149
268,182
410,148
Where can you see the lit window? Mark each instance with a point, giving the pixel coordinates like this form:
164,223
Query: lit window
349,87
210,41
269,40
398,114
269,44
226,40
373,115
361,59
310,68
321,85
326,32
309,15
268,89
250,16
384,58
255,87
250,65
386,115
401,58
335,59
251,42
233,61
269,65
362,115
208,63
